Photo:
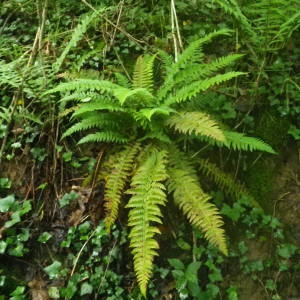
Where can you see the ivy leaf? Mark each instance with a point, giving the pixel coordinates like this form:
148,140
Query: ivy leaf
67,198
44,237
286,250
6,203
86,289
53,292
176,263
15,218
3,246
53,270
191,272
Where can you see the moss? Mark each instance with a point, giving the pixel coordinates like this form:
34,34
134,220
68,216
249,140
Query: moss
273,129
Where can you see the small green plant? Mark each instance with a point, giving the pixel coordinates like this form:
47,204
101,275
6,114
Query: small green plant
14,238
90,263
148,119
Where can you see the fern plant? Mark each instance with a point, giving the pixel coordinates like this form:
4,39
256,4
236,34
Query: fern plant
147,118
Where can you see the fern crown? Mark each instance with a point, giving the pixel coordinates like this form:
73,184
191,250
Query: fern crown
144,117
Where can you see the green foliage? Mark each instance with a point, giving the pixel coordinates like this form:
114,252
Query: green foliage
174,111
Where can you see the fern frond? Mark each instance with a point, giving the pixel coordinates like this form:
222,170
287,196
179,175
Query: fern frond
122,80
122,164
231,7
148,113
143,73
77,35
148,194
189,196
106,136
191,55
191,90
144,96
226,182
94,120
198,123
286,30
98,105
238,141
9,75
84,85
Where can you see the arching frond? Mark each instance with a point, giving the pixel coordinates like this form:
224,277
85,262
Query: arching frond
232,7
99,104
94,120
195,204
190,56
148,194
144,96
193,52
238,141
226,182
122,80
89,85
77,35
122,165
191,90
198,123
106,136
197,71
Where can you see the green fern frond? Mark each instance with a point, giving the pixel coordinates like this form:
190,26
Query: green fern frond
122,166
148,113
77,35
219,63
191,90
144,96
98,105
88,85
189,196
231,7
238,141
9,74
195,72
77,97
226,182
286,30
122,80
148,194
193,52
191,55
106,136
198,123
93,120
143,72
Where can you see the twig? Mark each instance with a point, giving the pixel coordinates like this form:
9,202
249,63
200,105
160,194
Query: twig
175,31
115,26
